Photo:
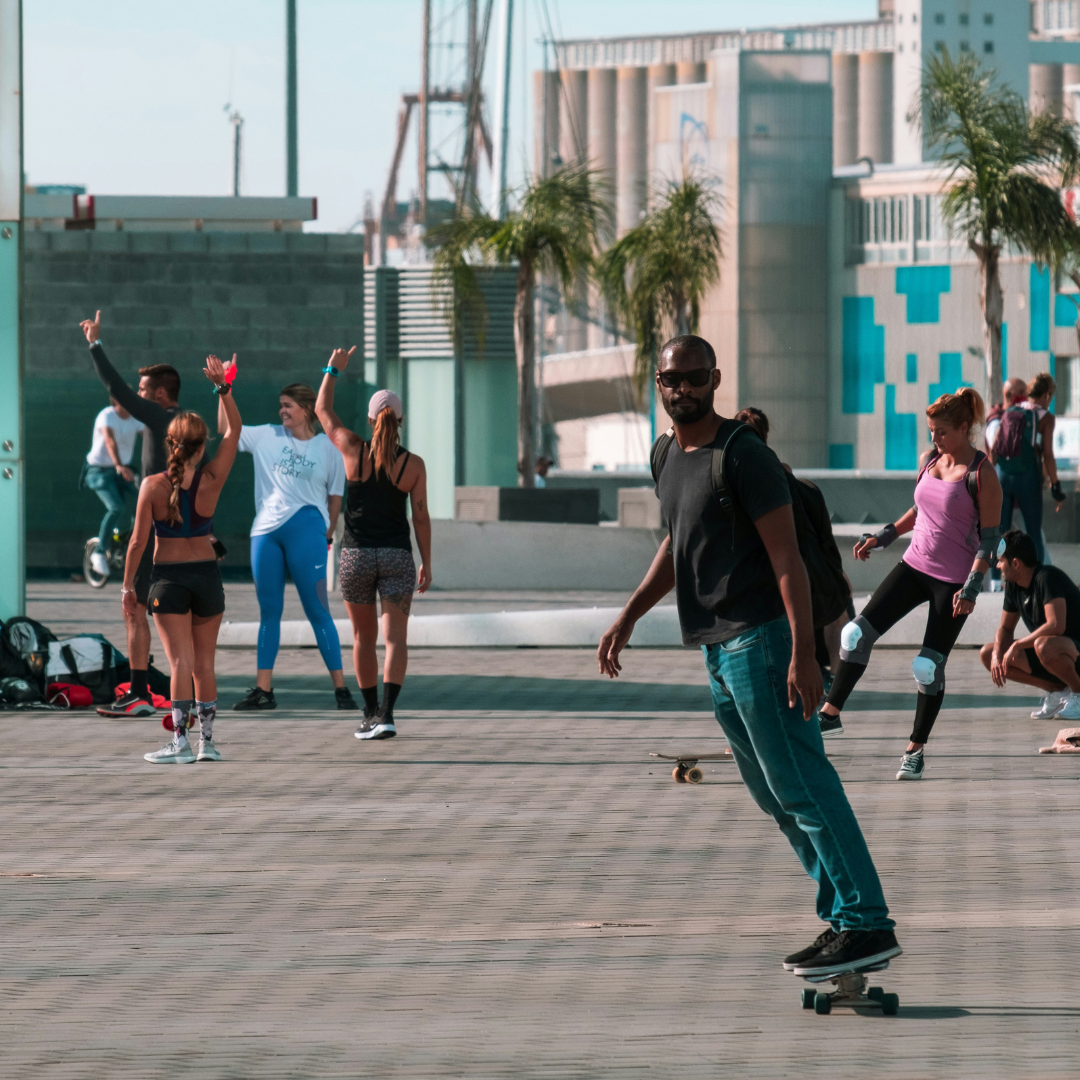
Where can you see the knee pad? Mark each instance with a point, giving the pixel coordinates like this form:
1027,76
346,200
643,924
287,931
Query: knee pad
856,640
928,668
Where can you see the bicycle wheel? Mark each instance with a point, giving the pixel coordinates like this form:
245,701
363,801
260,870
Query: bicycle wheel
93,578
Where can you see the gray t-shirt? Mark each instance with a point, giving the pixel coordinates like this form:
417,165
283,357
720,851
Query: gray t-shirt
724,581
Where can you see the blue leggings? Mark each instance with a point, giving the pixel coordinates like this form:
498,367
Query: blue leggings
299,544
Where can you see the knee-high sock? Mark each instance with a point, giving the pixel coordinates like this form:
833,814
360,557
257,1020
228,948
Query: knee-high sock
207,712
181,717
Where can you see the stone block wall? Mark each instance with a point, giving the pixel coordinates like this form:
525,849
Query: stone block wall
281,301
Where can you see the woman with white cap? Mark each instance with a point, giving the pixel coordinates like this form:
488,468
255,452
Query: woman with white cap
376,552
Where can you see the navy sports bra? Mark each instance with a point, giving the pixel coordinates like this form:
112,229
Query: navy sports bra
191,523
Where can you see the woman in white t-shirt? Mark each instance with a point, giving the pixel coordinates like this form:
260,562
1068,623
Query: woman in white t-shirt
107,473
299,482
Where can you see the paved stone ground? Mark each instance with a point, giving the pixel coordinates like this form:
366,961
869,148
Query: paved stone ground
514,888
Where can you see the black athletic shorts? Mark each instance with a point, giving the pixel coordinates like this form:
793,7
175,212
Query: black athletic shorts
143,571
177,588
1039,671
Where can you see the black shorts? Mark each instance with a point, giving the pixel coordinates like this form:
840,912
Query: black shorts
177,588
1039,671
143,572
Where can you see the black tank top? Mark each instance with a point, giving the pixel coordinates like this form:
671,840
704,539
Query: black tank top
375,509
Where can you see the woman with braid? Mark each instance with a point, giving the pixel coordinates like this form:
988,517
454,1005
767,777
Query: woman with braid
955,526
376,553
186,596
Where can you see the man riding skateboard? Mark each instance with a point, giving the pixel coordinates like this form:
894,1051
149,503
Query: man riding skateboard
743,595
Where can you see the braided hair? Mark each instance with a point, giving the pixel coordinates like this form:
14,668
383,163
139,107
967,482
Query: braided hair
185,438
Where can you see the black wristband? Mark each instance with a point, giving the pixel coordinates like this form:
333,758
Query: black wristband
223,389
1055,490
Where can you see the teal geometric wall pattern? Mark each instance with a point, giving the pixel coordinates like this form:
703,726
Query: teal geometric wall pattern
901,435
950,376
1065,309
1039,337
862,354
923,286
912,368
842,456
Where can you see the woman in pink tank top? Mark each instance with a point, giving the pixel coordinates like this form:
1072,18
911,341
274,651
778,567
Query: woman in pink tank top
955,527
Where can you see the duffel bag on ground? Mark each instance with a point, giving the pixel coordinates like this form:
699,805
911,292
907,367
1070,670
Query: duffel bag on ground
87,660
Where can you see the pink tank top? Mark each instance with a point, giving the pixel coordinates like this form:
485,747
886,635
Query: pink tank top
946,534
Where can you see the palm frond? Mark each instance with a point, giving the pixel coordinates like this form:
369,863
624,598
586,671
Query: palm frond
461,245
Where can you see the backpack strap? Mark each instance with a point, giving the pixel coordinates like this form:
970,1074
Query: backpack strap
930,462
727,432
658,454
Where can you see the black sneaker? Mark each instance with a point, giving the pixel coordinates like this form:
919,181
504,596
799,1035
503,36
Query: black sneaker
257,698
830,725
378,726
344,698
851,950
128,704
826,937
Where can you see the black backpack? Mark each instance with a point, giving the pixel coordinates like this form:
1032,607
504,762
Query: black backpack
829,592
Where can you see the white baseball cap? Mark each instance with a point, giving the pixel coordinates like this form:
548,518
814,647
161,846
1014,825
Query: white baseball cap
384,399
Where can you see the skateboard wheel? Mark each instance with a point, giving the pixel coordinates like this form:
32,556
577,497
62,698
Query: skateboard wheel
678,774
875,993
808,998
889,1004
694,776
822,1004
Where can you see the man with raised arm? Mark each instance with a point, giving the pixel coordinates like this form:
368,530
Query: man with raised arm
743,595
154,405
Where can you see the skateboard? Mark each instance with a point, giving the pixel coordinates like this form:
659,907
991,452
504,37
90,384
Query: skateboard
851,992
686,770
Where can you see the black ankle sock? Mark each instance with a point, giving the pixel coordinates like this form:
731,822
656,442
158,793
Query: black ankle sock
371,697
138,683
390,694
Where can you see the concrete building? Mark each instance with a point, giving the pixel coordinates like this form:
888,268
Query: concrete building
176,279
797,125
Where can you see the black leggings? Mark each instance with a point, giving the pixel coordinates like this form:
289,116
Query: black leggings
901,592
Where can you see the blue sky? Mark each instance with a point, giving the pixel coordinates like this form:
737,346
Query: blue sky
128,96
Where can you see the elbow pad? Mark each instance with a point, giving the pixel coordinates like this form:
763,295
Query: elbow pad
991,545
884,537
973,586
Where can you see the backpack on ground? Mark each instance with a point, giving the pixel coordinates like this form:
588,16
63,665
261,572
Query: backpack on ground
1014,444
87,660
24,643
829,591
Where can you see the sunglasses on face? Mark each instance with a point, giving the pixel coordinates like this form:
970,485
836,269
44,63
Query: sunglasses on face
673,379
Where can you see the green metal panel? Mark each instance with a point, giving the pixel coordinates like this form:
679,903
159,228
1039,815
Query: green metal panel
431,429
12,473
491,422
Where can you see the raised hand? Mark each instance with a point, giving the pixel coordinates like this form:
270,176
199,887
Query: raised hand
230,370
92,327
215,370
339,358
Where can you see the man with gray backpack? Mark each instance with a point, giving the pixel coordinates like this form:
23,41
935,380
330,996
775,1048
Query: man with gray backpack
732,556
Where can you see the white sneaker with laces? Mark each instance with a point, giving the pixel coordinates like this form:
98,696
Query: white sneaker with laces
1050,705
100,563
1070,708
208,751
175,753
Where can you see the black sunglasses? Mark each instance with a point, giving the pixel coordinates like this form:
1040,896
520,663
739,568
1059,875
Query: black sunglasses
673,379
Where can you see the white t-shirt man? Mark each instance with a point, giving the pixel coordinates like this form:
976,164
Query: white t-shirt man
124,432
290,473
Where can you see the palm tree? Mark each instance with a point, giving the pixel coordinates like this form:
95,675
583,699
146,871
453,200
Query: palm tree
654,278
556,231
1006,167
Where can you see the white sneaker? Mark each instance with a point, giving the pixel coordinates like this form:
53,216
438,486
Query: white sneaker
208,751
176,753
1070,708
1050,705
99,563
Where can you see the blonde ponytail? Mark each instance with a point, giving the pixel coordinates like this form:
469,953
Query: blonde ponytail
385,440
185,437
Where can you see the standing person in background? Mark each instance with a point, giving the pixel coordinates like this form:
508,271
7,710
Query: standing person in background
376,552
107,474
155,406
826,638
299,481
186,594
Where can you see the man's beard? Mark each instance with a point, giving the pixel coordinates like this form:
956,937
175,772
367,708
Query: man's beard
688,410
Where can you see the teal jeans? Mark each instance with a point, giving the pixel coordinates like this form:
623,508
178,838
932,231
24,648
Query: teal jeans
782,761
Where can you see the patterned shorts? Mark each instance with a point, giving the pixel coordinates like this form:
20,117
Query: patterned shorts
361,570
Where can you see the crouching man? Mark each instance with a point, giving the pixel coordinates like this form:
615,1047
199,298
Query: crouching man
1049,603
